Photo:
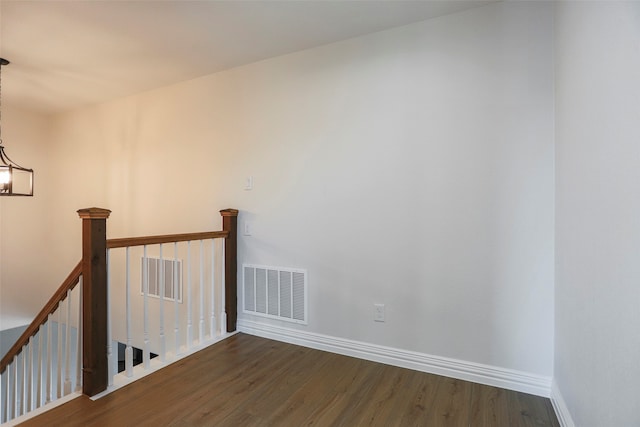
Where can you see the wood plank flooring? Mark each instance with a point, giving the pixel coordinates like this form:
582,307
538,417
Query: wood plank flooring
252,381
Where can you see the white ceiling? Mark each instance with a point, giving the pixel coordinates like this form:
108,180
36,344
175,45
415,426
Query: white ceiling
67,54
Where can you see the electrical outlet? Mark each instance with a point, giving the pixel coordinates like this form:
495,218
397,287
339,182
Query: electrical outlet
378,312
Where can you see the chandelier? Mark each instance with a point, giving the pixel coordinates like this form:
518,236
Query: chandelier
15,180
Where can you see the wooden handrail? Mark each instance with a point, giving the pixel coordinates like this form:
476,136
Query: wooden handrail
69,283
168,238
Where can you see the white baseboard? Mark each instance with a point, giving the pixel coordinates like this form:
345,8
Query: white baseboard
41,410
560,407
484,374
120,380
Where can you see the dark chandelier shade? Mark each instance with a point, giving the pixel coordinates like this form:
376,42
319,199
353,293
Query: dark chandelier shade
15,180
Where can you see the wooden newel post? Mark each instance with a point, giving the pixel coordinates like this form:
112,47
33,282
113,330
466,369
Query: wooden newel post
230,224
95,373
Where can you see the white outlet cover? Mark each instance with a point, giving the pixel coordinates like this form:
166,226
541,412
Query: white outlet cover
378,312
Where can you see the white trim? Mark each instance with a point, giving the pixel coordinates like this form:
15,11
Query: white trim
42,409
469,371
120,380
560,407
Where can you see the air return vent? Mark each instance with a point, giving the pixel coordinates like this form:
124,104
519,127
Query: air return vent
165,272
275,292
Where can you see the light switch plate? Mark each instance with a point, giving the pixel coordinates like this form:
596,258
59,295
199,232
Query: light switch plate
248,183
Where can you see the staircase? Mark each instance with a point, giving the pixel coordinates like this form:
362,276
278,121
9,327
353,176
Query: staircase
166,296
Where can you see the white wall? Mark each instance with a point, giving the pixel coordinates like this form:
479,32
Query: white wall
598,210
24,244
8,337
412,167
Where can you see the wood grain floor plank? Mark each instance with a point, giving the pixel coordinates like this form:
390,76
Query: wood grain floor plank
414,409
242,388
380,408
327,381
451,406
526,410
252,381
489,406
366,380
330,410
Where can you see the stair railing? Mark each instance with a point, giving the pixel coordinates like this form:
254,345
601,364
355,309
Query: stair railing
42,365
169,296
80,320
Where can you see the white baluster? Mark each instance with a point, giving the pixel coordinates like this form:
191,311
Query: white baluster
8,406
79,340
59,376
201,326
212,320
40,370
223,298
145,282
30,370
176,315
67,356
10,395
23,382
49,361
8,398
163,344
16,400
189,310
3,397
7,389
110,367
128,354
20,381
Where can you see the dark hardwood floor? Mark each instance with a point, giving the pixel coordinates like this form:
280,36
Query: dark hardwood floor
251,381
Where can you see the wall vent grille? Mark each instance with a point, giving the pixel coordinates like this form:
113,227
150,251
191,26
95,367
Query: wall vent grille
275,292
170,269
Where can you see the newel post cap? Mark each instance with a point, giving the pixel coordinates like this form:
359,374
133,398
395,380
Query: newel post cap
229,212
94,213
